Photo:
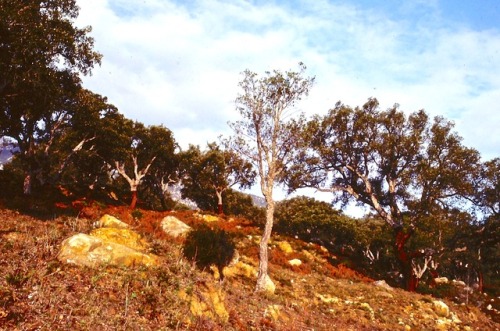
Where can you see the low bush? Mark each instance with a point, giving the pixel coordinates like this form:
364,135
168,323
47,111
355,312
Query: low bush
206,246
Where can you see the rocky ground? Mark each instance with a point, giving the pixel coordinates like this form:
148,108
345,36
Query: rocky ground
38,291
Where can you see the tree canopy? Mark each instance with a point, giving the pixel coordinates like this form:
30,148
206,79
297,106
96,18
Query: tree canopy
210,173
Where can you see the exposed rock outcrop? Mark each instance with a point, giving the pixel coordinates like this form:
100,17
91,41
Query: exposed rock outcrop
206,300
108,221
172,226
107,246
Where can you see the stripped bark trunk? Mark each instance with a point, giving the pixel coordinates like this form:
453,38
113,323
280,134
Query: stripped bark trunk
263,248
133,201
404,259
133,182
218,192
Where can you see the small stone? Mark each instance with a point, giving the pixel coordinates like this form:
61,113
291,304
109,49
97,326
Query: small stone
108,221
295,262
440,308
285,247
273,311
458,283
441,280
383,284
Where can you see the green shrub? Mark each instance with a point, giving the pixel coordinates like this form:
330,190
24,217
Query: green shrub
206,246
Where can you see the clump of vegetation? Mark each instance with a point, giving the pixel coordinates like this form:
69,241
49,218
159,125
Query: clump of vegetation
206,247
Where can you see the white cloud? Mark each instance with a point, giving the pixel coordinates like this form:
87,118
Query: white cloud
178,63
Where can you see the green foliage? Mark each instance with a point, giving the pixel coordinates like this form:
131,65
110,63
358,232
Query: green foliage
314,221
352,239
241,204
42,55
488,188
11,180
206,246
211,173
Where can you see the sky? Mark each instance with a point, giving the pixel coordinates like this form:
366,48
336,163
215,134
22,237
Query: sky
178,63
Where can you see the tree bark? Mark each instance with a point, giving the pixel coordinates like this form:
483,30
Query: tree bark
27,184
404,259
219,201
263,248
133,201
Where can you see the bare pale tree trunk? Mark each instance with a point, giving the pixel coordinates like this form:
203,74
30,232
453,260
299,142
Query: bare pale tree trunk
27,185
219,201
133,182
263,247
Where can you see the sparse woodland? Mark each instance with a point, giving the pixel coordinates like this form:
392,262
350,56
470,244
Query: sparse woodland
434,203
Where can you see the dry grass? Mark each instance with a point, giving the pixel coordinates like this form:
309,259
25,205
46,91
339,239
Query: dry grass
37,292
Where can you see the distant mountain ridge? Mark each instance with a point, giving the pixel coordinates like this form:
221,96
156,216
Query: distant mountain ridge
258,201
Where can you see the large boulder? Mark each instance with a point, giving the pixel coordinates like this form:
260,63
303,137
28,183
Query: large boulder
124,237
172,226
112,245
85,250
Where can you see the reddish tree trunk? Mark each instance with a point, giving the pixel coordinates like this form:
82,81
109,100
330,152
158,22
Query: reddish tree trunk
133,202
219,209
411,281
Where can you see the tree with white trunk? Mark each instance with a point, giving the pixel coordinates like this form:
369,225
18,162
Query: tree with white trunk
267,135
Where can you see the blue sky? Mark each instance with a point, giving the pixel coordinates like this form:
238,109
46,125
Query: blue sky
178,63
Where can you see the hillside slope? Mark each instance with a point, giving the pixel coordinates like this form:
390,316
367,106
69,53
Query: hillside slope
37,292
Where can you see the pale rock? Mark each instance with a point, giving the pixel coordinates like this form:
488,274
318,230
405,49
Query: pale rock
269,286
441,280
443,324
206,300
172,226
323,249
125,237
458,283
454,318
273,311
440,308
85,250
240,269
285,247
308,255
108,221
295,262
383,284
207,217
